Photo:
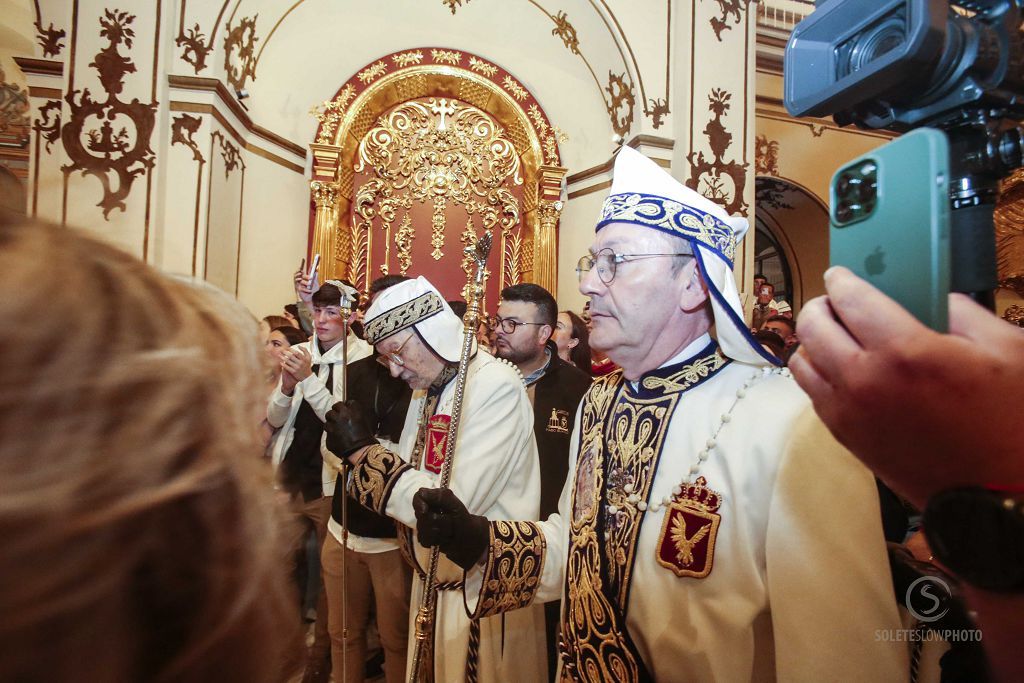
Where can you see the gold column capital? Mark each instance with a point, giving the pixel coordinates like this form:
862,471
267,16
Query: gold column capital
325,195
549,211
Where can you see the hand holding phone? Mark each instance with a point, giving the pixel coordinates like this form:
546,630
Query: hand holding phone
890,222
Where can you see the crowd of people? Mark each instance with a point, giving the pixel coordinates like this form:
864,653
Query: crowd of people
630,497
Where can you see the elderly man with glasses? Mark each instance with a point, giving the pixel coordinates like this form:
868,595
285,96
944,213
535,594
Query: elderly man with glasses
496,470
711,529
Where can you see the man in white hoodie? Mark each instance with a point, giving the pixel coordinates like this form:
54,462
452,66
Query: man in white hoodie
311,382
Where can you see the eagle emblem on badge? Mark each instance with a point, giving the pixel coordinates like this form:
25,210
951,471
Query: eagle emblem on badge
437,441
687,543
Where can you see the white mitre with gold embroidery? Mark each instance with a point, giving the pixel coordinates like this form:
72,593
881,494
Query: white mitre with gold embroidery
644,194
416,304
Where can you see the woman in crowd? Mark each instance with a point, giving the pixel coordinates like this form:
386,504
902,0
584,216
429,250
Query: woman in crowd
279,339
573,340
140,537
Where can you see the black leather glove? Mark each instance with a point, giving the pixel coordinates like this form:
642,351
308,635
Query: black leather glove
442,520
346,428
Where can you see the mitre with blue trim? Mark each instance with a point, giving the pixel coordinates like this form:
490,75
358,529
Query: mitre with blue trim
645,195
416,304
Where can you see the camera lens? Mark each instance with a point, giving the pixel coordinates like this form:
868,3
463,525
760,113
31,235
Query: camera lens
843,213
877,41
847,184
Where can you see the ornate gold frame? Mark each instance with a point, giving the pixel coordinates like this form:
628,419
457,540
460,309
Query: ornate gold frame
334,155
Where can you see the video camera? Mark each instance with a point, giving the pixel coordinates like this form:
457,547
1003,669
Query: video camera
957,65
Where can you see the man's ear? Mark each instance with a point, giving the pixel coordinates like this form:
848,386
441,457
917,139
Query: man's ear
694,291
550,331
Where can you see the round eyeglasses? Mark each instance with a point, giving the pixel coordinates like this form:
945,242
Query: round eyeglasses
607,261
386,358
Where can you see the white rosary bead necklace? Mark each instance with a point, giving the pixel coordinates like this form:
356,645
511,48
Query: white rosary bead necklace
633,499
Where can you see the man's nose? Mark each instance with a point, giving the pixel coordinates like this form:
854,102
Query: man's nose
590,283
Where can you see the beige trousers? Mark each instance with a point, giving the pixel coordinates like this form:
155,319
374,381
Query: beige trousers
386,579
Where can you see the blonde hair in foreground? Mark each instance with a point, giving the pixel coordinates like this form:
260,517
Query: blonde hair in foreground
140,540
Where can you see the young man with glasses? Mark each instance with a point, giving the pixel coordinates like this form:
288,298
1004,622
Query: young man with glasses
527,315
710,529
495,470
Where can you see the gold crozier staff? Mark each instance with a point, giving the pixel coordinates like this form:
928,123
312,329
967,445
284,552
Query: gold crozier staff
428,602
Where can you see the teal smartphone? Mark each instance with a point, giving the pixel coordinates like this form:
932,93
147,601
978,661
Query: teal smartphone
889,221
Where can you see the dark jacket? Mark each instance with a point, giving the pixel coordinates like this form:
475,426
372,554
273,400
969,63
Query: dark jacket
557,395
385,401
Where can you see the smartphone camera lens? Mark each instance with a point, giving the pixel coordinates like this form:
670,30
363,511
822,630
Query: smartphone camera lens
846,184
844,213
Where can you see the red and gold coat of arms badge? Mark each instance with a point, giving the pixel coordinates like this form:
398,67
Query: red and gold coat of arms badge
687,542
437,440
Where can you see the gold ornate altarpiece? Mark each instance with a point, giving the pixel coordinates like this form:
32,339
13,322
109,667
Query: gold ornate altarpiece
468,108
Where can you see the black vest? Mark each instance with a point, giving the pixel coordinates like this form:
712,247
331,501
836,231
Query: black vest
385,401
557,395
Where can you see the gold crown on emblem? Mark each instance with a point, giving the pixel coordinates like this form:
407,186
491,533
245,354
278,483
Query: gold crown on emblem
698,495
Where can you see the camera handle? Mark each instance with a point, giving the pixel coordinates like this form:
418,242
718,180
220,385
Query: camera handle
980,156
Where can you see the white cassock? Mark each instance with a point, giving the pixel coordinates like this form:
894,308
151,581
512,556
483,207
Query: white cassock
778,573
496,473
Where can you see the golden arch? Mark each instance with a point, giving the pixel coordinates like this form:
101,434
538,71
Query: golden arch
338,140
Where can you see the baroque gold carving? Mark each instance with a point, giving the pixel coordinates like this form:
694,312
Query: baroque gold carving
567,32
551,142
229,153
658,109
325,195
373,71
766,156
728,8
403,239
445,153
195,49
468,81
538,119
330,112
13,105
620,106
242,38
718,179
446,56
1014,315
454,4
49,39
183,130
104,151
517,91
48,128
406,58
480,66
1009,232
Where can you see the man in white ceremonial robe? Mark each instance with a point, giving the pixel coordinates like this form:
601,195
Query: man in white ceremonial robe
711,529
496,471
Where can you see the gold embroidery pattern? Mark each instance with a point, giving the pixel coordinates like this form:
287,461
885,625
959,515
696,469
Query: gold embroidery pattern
621,444
689,375
514,565
671,217
400,317
593,644
375,476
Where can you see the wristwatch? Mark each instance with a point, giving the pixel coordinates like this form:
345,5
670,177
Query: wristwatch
978,534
